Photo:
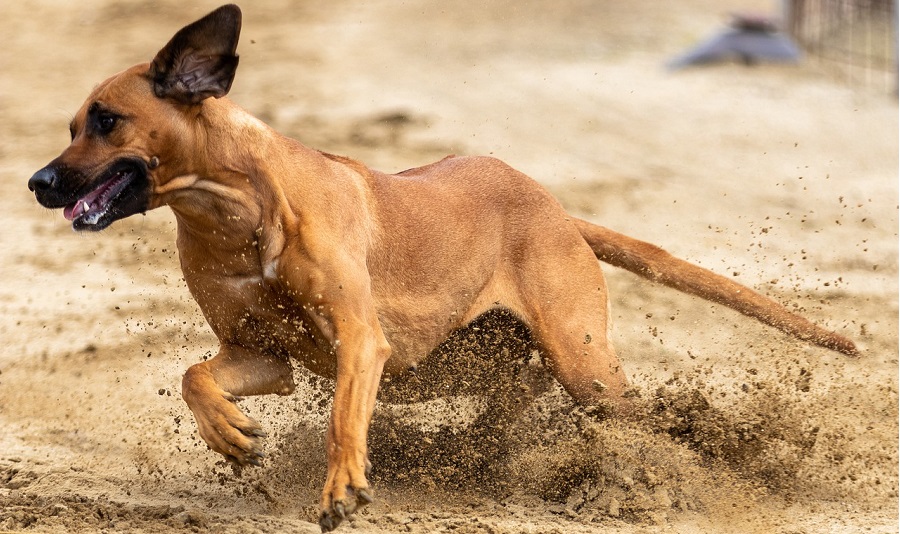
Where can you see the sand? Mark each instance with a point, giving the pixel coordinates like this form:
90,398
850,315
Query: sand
784,177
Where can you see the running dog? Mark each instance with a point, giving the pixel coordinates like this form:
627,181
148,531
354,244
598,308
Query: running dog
297,255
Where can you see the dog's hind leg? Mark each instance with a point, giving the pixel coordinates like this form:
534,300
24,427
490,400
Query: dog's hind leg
211,389
566,308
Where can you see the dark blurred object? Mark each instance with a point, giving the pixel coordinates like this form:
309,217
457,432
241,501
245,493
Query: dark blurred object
750,39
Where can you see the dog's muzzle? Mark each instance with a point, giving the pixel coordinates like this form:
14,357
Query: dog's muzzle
121,190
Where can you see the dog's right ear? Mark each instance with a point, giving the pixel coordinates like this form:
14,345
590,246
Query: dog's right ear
200,61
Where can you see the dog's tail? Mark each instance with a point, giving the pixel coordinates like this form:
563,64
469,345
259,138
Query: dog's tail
657,265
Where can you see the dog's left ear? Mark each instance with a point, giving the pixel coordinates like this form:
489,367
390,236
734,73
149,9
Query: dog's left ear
200,61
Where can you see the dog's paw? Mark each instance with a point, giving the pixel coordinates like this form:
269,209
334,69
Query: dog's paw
229,432
336,510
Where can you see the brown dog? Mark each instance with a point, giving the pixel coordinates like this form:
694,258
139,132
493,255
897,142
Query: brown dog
296,254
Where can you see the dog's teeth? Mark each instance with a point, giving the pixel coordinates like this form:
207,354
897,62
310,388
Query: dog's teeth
87,207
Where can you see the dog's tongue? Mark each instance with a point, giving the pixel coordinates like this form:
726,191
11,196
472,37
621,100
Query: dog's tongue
73,210
90,201
80,207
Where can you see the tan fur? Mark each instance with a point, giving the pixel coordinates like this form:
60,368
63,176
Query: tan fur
293,254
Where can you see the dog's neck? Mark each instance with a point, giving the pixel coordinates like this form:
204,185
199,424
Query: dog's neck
236,177
219,174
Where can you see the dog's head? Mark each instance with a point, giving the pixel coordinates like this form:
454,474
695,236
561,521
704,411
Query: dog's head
131,136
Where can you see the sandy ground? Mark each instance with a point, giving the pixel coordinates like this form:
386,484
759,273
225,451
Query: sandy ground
780,176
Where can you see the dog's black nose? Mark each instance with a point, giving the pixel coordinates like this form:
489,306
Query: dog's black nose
42,180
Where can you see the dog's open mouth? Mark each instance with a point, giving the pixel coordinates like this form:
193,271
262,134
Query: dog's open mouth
122,192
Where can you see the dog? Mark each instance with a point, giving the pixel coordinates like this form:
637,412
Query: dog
293,254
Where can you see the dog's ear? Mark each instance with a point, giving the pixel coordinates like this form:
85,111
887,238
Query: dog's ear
200,61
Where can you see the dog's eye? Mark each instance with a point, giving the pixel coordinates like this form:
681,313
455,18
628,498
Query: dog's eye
106,122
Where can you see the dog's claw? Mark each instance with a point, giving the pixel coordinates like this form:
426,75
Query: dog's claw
340,510
326,522
365,496
255,456
256,432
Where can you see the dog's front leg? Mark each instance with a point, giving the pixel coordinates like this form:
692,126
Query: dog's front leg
211,389
361,354
321,263
335,290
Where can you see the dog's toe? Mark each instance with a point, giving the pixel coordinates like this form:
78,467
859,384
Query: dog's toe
339,510
231,433
328,522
